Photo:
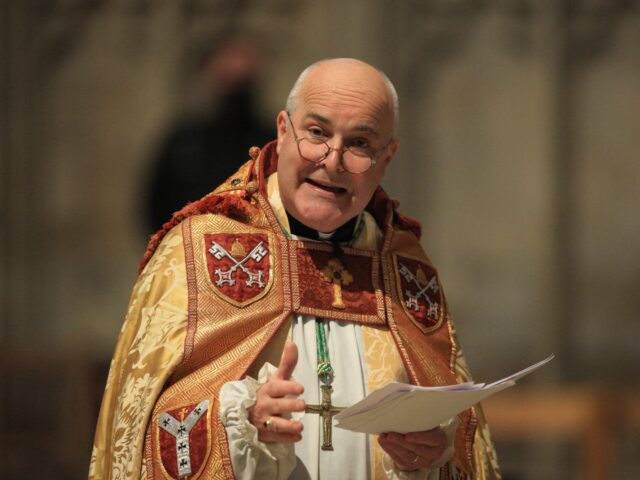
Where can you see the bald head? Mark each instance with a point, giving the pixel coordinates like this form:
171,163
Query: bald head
346,71
350,107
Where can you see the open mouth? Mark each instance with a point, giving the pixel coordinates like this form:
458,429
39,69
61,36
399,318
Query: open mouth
326,188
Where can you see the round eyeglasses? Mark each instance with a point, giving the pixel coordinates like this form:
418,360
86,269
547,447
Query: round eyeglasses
353,158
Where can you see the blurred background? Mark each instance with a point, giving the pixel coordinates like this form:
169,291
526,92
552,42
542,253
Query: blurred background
519,141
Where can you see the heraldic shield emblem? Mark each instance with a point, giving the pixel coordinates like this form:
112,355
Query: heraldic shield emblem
184,440
239,266
419,292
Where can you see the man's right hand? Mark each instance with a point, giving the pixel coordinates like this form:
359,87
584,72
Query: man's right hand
272,402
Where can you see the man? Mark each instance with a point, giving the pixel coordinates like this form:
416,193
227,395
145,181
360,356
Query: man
299,260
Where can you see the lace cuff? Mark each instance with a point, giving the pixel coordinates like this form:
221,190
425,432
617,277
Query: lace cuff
250,456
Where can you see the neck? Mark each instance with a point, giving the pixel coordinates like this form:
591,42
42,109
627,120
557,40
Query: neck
343,233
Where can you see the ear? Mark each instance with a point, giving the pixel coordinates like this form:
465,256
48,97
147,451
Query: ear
393,148
281,126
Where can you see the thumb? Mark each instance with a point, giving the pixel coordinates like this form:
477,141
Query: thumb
288,361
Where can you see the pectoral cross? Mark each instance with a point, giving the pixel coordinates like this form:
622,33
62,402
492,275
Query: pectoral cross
327,411
335,273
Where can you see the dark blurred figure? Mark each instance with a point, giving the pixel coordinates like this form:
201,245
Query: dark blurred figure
205,149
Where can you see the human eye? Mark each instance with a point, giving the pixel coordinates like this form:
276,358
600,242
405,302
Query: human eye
361,144
316,132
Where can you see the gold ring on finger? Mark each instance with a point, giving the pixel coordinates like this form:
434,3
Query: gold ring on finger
267,423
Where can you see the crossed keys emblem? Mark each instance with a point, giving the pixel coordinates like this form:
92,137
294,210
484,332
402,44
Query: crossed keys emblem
239,266
237,251
413,298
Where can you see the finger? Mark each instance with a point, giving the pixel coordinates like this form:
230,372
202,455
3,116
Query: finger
279,406
281,388
404,459
288,361
267,405
426,452
280,426
279,438
394,437
397,439
394,448
432,438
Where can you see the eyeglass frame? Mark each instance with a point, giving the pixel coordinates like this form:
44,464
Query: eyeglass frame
372,158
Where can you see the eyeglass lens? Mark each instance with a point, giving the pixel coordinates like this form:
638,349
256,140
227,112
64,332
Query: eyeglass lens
354,161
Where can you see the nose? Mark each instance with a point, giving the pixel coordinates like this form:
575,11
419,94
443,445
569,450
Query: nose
334,161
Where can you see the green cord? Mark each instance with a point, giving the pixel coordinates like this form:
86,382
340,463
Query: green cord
324,369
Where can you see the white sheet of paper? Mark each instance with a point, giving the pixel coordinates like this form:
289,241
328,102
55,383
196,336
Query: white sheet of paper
404,408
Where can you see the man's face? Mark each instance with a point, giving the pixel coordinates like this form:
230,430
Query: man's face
345,104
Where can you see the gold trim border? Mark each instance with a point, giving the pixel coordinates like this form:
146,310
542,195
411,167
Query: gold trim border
192,290
390,298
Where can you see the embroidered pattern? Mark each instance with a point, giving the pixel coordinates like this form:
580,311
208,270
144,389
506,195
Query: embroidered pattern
181,430
345,289
337,275
237,251
412,298
154,332
420,293
237,276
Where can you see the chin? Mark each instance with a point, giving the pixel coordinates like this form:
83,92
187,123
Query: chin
322,219
321,224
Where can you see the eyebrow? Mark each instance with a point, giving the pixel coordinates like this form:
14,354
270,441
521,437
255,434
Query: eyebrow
318,117
358,128
367,129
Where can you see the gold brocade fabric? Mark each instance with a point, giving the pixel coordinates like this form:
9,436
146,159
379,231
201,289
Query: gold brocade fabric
485,460
150,346
384,365
184,337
